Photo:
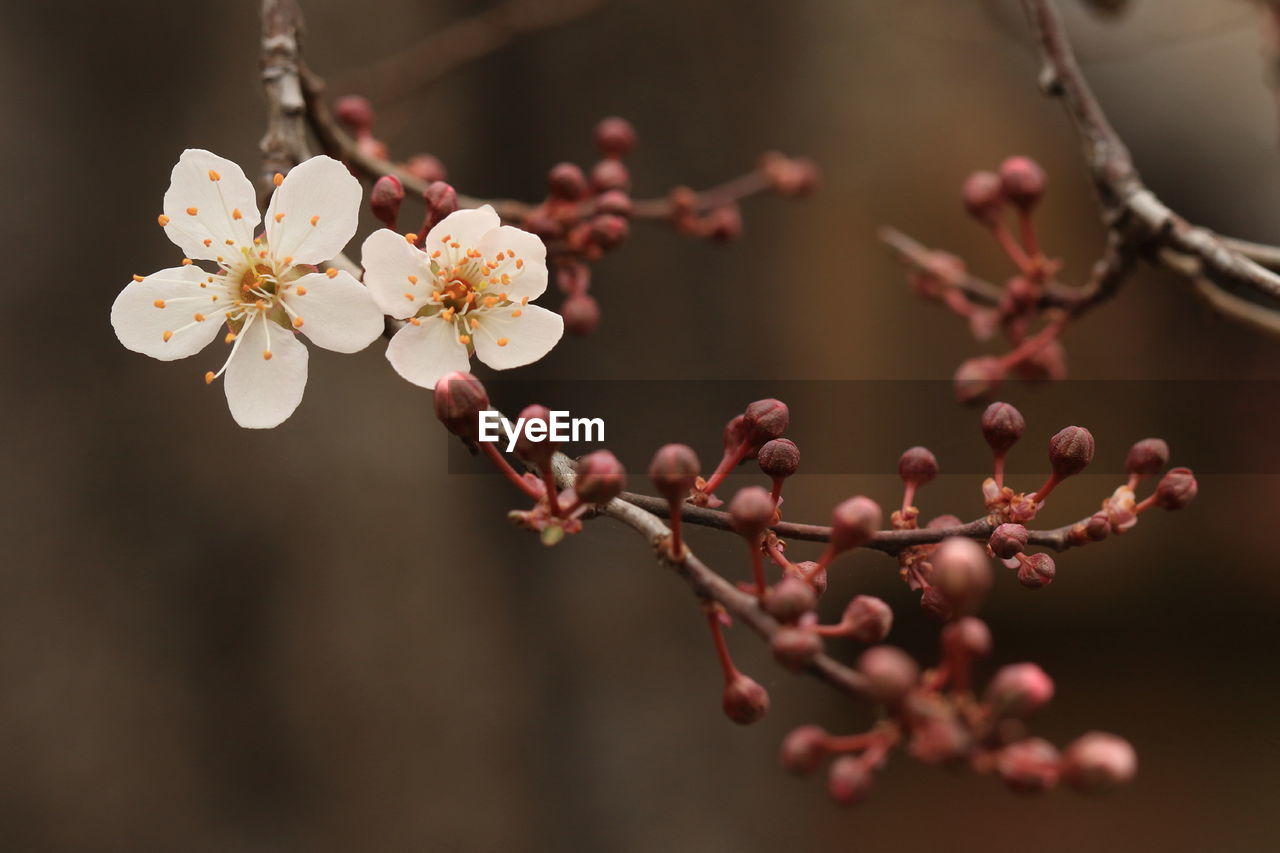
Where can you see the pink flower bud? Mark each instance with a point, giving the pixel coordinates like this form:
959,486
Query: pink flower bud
849,780
1029,766
1018,690
778,458
537,420
1098,527
1177,489
1070,451
816,574
1002,426
355,112
977,378
724,223
600,477
940,739
610,175
983,196
853,523
868,619
917,466
934,603
789,599
765,420
944,521
795,648
1037,571
426,167
1147,457
745,702
962,573
581,314
674,470
890,673
751,512
1007,540
1098,761
615,137
565,181
615,203
1022,181
609,231
459,398
968,636
440,200
803,749
385,199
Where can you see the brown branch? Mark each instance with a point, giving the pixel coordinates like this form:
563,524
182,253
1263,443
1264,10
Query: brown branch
284,144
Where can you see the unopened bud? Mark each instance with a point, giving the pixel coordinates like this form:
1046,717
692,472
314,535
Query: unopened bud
1007,540
542,226
853,523
935,604
917,466
1022,181
1018,690
1177,489
962,573
565,181
600,477
1147,457
968,636
816,575
983,196
426,167
441,200
724,223
1070,451
1002,426
890,672
1037,571
1098,761
789,599
803,749
765,420
795,648
1029,766
868,619
610,175
609,231
978,378
385,199
615,137
1098,527
849,780
778,458
581,314
751,512
745,702
674,471
459,398
355,112
942,522
537,421
615,203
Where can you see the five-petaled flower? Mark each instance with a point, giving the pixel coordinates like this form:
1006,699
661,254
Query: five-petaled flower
265,287
467,290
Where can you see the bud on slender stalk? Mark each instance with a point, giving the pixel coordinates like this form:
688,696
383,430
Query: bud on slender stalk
440,200
537,419
1147,457
600,477
853,523
459,398
674,471
779,458
789,600
616,203
610,174
1098,761
1070,451
581,314
968,636
1177,489
1002,426
566,182
744,701
615,137
1018,690
1036,570
983,196
1022,182
962,573
977,378
804,749
765,420
355,112
794,647
849,780
1029,766
385,199
867,619
1008,540
890,673
751,512
917,466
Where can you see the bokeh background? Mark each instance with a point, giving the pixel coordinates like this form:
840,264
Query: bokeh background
318,638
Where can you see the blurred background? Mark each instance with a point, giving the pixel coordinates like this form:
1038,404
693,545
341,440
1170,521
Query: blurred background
318,638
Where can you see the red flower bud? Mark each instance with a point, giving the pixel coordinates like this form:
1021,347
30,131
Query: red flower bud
853,523
789,599
355,112
1098,761
983,196
1029,766
385,199
1036,571
968,636
917,466
765,420
934,603
849,780
616,203
610,175
1098,527
537,420
609,231
778,458
440,200
978,378
674,470
744,701
868,619
1177,489
944,521
581,314
962,573
890,672
1018,690
1022,181
751,512
816,574
803,749
1070,451
615,137
795,648
565,181
1007,540
1147,457
459,398
1002,426
426,167
724,223
600,477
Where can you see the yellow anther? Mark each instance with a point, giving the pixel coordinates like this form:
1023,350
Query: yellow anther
209,377
506,279
163,220
302,291
499,256
446,238
214,176
475,324
207,242
277,179
262,255
230,242
413,279
516,313
464,339
137,278
236,214
332,272
490,301
231,336
409,296
287,260
186,262
455,245
315,219
524,300
192,211
199,318
266,355
435,254
159,303
414,321
502,342
166,336
519,263
279,217
297,322
411,237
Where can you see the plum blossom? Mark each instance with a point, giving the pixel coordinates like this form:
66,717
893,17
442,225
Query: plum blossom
466,291
265,289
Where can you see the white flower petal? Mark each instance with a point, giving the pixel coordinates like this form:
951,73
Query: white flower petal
424,353
206,192
262,392
464,227
516,335
314,213
394,271
337,313
167,301
530,278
